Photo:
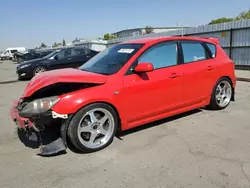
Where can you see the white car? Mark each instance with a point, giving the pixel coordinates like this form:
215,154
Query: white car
8,53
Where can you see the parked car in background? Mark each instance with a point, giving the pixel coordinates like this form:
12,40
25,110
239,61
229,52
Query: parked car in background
125,86
29,55
66,58
8,53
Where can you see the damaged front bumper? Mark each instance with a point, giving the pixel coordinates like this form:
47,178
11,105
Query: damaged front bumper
47,129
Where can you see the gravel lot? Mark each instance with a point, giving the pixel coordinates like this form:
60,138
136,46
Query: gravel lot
198,149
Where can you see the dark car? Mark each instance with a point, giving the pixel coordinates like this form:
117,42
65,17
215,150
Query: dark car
66,58
30,55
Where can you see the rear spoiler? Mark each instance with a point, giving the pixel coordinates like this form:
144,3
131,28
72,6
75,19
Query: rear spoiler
214,39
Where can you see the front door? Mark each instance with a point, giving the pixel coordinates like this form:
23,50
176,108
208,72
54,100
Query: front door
82,55
148,95
60,60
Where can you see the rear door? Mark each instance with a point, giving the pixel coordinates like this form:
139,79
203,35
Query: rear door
150,94
82,55
197,72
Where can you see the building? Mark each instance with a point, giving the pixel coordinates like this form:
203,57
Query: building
142,31
97,44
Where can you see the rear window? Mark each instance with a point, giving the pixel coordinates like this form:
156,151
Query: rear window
212,49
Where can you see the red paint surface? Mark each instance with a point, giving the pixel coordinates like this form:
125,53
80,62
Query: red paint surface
20,121
62,75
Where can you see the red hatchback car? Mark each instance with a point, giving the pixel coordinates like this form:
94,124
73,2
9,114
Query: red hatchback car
127,85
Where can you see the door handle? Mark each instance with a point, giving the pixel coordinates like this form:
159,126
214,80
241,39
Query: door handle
209,67
174,75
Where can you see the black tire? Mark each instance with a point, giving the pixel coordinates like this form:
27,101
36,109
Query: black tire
213,101
72,131
38,67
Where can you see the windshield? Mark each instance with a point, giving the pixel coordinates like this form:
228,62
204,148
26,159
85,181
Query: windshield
50,54
112,59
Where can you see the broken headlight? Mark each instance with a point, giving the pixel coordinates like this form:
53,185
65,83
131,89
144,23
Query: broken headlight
39,105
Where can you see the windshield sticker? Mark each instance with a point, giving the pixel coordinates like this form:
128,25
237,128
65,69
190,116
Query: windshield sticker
126,51
198,58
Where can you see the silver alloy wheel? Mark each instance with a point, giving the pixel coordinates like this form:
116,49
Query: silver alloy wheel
96,128
223,93
39,70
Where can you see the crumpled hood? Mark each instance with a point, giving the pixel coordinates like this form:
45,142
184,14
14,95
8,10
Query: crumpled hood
67,75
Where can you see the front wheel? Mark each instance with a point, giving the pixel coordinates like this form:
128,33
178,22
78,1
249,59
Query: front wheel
222,94
93,127
38,70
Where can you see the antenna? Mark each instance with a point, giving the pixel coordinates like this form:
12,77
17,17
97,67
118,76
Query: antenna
180,24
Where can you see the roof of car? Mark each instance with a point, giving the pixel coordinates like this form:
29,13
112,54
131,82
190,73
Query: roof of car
159,39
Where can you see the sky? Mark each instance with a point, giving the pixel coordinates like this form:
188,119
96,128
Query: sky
28,23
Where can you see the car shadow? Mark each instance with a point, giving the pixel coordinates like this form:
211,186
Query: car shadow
140,128
8,82
156,123
36,144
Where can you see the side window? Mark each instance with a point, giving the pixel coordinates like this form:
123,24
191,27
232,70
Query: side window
64,54
193,51
13,51
68,52
76,52
212,49
86,51
60,55
161,55
80,51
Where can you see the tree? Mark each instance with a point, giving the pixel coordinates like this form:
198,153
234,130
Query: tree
43,45
108,36
221,20
64,43
243,15
148,30
55,45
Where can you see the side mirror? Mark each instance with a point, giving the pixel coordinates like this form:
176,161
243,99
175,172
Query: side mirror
144,67
56,57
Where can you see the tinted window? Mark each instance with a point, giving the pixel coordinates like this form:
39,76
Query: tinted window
51,54
64,53
161,55
80,51
112,59
13,51
193,51
212,48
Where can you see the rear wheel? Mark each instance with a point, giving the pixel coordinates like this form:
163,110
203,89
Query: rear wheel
222,94
38,70
93,127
